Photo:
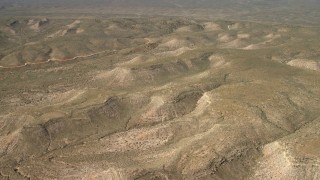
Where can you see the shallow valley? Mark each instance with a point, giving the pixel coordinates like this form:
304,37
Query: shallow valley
158,98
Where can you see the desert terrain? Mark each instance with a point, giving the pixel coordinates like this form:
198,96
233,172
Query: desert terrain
158,97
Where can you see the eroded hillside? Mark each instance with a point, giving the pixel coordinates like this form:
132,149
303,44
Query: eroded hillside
158,98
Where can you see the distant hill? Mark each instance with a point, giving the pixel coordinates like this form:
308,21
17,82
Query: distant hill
279,11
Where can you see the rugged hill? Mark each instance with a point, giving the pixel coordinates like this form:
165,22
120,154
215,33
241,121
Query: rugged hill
158,98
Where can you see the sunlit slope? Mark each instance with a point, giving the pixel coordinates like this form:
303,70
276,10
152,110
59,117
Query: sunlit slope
161,98
40,40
